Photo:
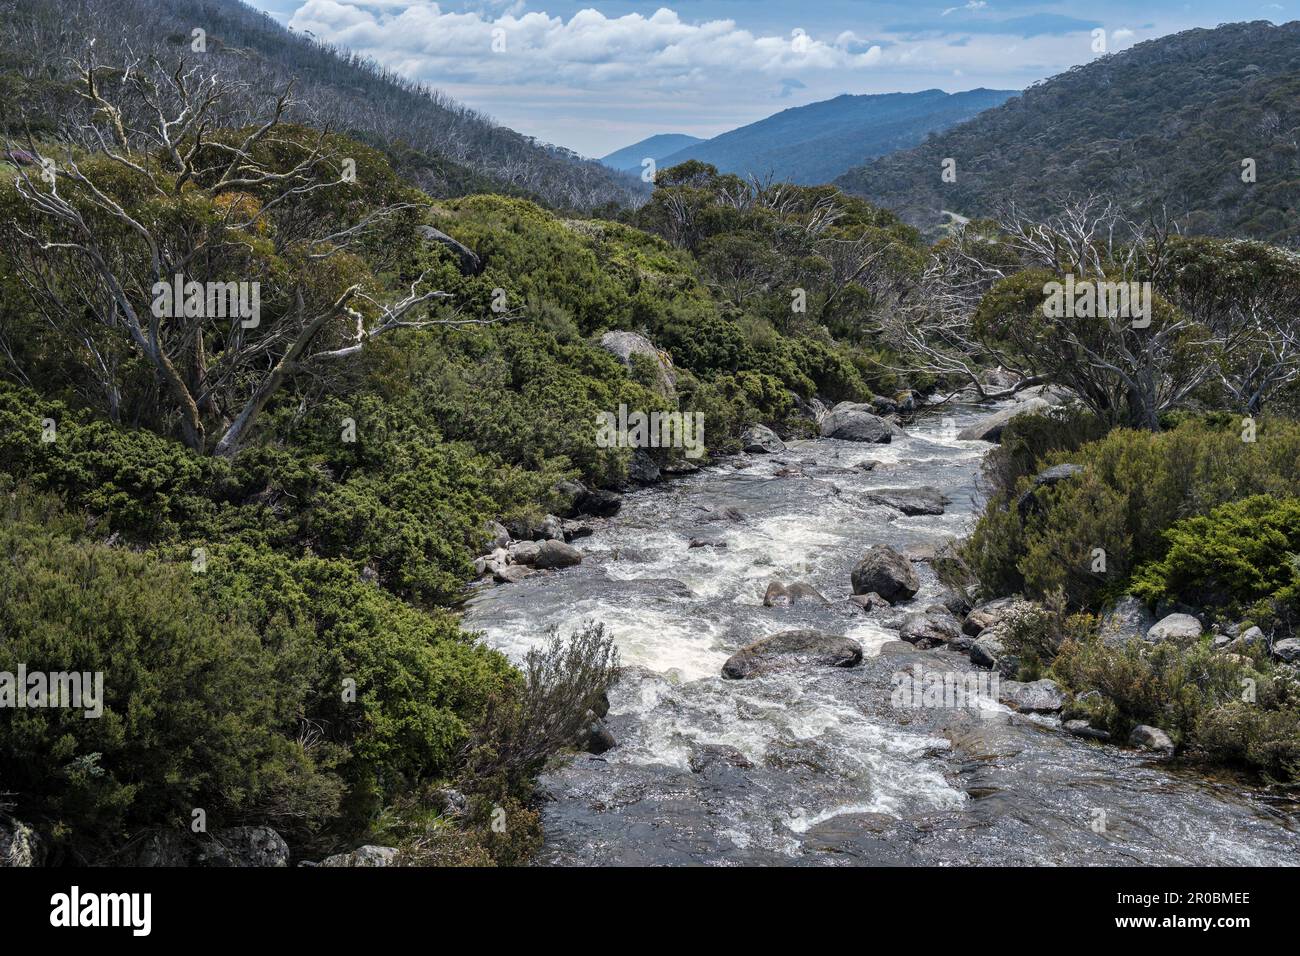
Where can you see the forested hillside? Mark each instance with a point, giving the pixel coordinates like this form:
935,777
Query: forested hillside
442,146
1163,127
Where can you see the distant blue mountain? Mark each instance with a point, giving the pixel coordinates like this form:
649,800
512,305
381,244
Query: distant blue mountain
629,158
818,142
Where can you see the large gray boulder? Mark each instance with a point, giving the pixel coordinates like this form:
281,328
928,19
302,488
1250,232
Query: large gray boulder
363,856
792,649
779,594
990,427
244,846
984,616
888,573
761,440
922,500
932,627
856,424
1036,697
1128,620
624,345
1182,629
1287,650
1146,737
556,554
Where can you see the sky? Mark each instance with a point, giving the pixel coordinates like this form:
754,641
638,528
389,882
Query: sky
598,76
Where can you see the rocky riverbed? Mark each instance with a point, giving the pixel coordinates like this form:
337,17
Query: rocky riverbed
815,759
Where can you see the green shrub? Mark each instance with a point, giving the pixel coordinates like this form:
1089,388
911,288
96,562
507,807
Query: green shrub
1243,557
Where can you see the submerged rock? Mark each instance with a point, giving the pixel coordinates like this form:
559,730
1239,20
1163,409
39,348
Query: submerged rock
886,572
784,595
792,648
911,501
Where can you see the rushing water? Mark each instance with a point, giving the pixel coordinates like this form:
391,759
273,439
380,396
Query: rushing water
816,765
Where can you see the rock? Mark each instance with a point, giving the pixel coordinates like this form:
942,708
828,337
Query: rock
888,573
1182,629
1287,650
369,855
575,530
512,574
782,595
1036,697
1127,621
450,802
1081,728
911,501
20,845
1146,737
792,648
869,601
500,536
956,604
600,503
230,847
854,424
761,440
987,614
989,651
1027,503
706,543
244,846
883,405
678,467
990,427
624,345
595,737
932,627
642,469
523,552
557,554
866,465
1249,640
549,528
707,756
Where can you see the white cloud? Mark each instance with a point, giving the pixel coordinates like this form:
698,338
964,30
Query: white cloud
589,48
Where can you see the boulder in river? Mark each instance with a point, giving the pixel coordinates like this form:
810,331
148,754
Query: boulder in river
869,601
1081,728
523,552
792,648
761,440
932,627
888,573
779,594
923,500
1035,697
990,427
856,424
556,554
642,469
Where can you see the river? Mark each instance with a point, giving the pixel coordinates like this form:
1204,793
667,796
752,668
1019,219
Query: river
817,765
